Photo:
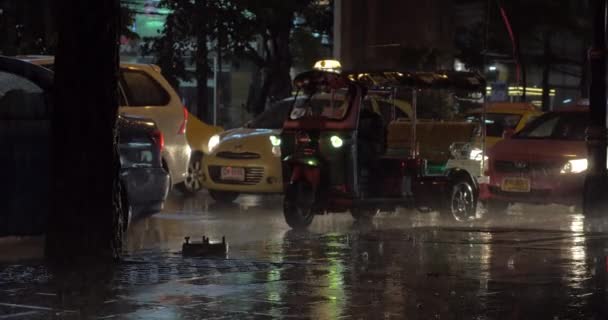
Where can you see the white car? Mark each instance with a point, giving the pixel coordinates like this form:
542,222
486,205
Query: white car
145,92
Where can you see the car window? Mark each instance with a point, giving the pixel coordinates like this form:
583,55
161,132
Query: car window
496,123
560,126
20,98
142,90
273,117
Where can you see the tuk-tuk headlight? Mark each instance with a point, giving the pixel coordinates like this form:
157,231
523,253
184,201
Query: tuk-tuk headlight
476,154
575,166
275,141
214,141
336,142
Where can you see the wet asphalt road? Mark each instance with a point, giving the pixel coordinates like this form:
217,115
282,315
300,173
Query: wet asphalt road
533,263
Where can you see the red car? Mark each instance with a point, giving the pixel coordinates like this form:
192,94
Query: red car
543,163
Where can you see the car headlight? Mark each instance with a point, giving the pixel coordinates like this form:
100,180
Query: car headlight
476,154
276,151
275,141
214,141
336,142
574,166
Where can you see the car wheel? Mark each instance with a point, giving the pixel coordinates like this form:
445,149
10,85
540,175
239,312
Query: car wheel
223,196
298,205
194,180
361,214
462,201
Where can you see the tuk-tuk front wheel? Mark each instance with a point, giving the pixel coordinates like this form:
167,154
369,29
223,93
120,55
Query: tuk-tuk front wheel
298,205
462,201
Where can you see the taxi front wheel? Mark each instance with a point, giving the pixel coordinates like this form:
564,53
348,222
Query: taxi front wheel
223,196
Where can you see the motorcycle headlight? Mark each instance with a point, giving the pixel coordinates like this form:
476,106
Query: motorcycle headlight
574,166
336,142
214,141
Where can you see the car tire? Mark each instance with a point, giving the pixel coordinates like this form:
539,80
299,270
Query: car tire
363,214
495,207
461,202
223,196
194,180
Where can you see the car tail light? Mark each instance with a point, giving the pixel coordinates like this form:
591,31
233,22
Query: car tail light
182,127
159,138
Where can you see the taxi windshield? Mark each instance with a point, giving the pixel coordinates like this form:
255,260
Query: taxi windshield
329,106
557,126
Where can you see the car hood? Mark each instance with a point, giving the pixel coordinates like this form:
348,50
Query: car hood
246,140
542,149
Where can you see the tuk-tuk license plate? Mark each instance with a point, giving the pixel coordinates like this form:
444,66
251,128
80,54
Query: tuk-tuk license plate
516,185
233,174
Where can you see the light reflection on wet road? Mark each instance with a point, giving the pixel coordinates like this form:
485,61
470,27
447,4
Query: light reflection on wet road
534,263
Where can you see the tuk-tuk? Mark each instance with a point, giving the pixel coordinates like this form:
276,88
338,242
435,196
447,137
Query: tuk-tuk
340,156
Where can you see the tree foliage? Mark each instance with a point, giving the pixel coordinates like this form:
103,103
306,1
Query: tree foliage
262,32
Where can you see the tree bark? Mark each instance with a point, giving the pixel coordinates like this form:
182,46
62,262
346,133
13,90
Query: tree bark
276,78
584,83
86,218
202,65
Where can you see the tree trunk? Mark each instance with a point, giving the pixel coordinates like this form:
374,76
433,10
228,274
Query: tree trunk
8,22
276,78
202,65
522,68
548,56
584,83
283,60
85,222
219,85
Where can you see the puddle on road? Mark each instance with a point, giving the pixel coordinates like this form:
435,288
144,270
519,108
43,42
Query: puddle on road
541,264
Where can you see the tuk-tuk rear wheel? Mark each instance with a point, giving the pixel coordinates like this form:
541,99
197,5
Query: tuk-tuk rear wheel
298,205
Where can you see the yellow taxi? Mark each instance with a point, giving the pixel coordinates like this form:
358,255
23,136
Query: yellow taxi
501,118
248,159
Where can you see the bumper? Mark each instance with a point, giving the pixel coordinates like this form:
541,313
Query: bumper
147,188
545,189
263,175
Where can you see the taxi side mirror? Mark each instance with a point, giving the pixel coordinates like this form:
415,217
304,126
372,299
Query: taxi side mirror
508,133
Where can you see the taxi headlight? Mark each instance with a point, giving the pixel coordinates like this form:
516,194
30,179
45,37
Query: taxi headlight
574,166
275,141
214,141
276,151
336,142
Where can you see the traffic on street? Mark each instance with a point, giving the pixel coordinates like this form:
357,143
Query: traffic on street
309,159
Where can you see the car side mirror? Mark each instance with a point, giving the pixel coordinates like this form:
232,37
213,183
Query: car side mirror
508,133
